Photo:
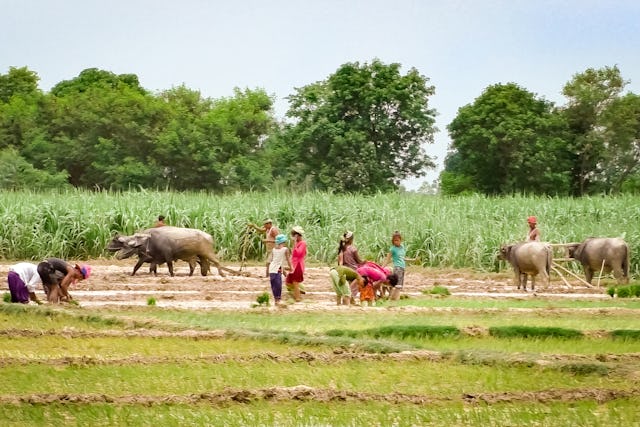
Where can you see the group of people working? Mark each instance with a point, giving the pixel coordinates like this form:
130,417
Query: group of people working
54,274
352,279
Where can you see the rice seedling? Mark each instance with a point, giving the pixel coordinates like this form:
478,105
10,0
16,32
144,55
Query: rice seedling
534,332
151,301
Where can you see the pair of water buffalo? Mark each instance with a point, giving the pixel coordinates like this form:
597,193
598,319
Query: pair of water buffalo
595,254
166,245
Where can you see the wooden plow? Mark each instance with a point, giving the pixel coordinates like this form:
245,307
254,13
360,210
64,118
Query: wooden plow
559,269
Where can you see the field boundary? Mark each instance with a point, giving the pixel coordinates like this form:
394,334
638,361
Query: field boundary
304,393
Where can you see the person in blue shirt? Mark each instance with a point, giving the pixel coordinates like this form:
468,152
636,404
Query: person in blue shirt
397,254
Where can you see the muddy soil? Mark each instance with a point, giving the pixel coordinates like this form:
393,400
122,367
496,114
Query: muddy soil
111,283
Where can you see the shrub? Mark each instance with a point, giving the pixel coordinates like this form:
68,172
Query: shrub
263,299
611,291
6,297
533,332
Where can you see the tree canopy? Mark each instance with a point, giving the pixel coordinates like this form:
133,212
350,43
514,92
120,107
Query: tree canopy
509,140
363,129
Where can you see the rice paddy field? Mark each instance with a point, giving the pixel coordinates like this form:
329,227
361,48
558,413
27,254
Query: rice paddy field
159,350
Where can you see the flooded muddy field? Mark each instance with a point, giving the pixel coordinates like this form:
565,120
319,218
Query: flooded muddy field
111,283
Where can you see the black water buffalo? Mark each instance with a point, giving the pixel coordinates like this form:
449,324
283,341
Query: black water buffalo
166,245
592,252
528,258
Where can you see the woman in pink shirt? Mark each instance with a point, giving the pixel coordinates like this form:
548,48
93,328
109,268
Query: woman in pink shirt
299,252
378,275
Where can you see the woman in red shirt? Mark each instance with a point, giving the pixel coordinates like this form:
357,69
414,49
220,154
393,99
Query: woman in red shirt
299,252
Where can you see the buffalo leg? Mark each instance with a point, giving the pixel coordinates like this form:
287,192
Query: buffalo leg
170,266
204,266
137,266
588,274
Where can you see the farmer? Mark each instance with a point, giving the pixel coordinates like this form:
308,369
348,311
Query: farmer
23,279
378,276
57,275
276,264
296,276
159,222
341,277
534,232
349,257
270,233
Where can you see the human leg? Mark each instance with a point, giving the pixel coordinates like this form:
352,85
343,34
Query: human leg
275,280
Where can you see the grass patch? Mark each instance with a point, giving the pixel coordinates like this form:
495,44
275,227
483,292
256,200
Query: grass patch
613,413
628,291
302,339
263,299
399,331
585,369
626,334
151,301
533,332
437,290
6,297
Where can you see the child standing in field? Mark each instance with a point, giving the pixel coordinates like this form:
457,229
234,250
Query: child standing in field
397,253
275,266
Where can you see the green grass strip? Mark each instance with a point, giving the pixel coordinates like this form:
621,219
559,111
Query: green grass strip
626,334
534,332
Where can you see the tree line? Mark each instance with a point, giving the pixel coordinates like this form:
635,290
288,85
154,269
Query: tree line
510,140
363,129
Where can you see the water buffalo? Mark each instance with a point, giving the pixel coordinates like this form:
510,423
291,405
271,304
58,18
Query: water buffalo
528,258
125,247
167,244
592,252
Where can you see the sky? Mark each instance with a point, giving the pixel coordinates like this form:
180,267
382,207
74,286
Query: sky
279,45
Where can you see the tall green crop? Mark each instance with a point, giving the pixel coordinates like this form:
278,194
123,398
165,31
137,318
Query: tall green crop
439,231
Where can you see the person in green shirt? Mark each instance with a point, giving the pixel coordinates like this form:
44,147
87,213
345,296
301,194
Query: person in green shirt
397,254
341,277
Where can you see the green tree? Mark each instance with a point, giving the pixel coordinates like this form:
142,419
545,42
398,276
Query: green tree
17,174
363,128
507,141
621,159
589,95
20,102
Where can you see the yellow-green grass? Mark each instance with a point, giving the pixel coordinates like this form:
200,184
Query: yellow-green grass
320,322
439,231
441,379
614,413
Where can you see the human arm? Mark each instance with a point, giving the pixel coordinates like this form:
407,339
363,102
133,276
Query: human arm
34,298
256,228
73,275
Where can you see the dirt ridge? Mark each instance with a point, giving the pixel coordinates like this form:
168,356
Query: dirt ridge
305,393
463,356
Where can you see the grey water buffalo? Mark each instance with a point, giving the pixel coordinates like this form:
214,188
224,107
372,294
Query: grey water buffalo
126,247
602,253
168,244
528,258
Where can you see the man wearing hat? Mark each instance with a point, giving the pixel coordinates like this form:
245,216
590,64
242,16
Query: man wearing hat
534,233
270,232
